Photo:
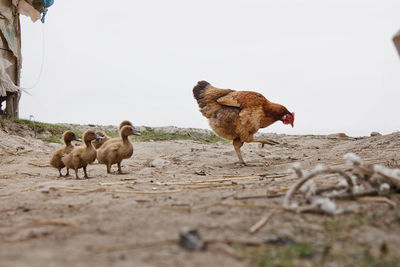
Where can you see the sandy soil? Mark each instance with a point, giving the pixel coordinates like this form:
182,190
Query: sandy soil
50,221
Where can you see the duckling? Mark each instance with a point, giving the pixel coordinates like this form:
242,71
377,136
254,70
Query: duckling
55,161
124,123
83,155
117,149
97,144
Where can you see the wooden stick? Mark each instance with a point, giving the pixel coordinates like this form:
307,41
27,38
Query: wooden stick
118,183
206,206
241,205
9,152
146,192
250,197
39,165
225,249
242,178
31,188
70,188
364,160
23,152
137,246
378,199
247,205
29,174
257,226
260,174
229,241
57,223
209,181
95,190
372,192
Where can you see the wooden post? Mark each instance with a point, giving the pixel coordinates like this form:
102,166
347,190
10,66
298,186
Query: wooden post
12,98
12,103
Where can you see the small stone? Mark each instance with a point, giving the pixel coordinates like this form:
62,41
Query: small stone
158,163
376,134
200,172
190,239
279,240
337,135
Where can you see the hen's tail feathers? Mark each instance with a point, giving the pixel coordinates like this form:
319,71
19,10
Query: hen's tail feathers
198,92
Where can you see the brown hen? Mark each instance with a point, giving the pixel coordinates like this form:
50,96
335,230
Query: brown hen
237,115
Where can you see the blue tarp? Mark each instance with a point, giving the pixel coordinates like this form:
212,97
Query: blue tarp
47,4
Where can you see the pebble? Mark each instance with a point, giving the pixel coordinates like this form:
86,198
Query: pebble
375,134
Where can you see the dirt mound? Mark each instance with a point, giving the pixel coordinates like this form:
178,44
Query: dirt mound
15,128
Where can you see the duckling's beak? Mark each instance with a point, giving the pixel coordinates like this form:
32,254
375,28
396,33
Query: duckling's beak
99,138
78,139
136,131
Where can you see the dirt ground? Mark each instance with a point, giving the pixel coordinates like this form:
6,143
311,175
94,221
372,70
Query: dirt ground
123,220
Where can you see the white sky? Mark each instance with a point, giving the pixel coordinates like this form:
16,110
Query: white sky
331,62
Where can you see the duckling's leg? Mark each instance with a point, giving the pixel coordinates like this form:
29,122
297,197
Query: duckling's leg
119,168
59,170
108,167
67,174
84,170
76,173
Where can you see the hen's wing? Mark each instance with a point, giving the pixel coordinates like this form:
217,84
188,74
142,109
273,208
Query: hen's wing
242,99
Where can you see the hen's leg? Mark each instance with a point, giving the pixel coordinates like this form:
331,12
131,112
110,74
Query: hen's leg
265,141
237,144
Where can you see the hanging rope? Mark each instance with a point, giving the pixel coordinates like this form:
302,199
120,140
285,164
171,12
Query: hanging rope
41,64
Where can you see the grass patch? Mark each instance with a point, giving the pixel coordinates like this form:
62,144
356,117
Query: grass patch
41,127
332,224
147,135
285,256
150,135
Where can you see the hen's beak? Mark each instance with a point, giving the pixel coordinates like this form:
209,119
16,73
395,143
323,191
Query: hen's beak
292,123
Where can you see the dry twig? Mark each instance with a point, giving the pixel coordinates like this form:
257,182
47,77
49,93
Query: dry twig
50,222
378,199
257,226
39,165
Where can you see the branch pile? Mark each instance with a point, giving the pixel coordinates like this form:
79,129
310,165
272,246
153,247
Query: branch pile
357,181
